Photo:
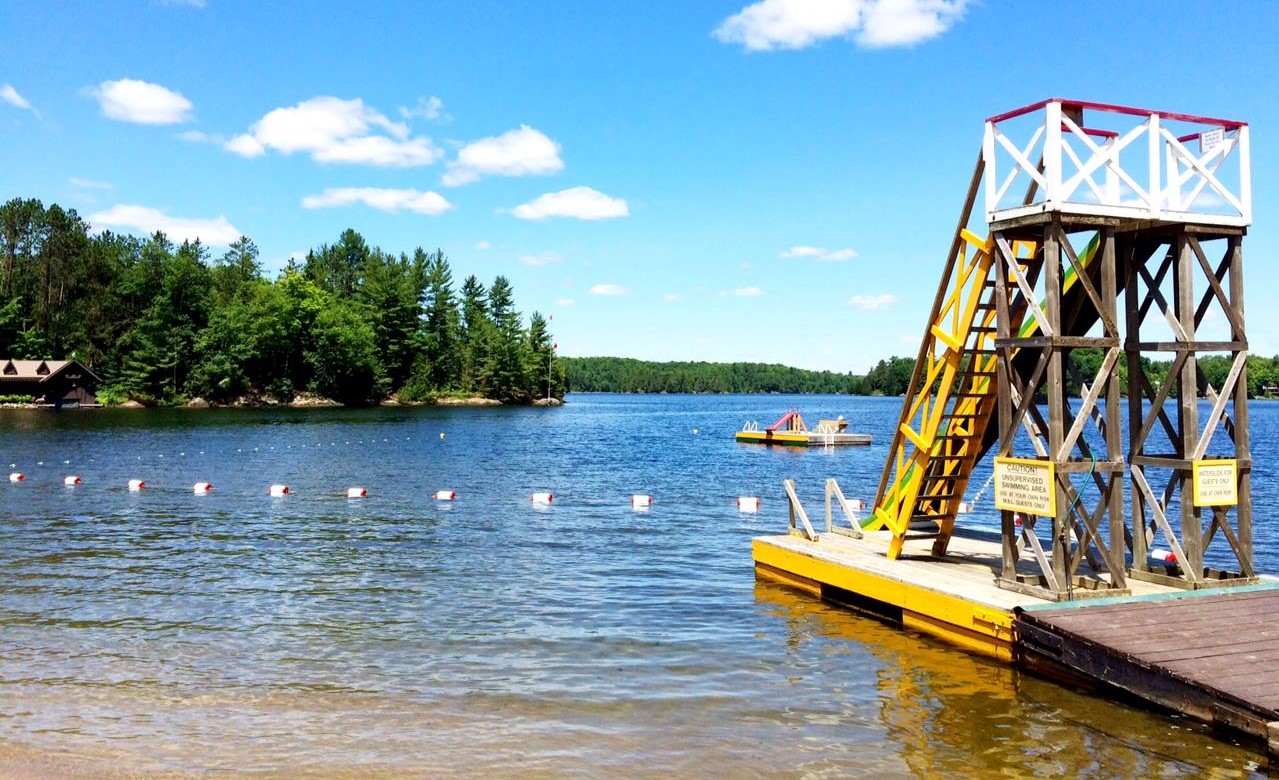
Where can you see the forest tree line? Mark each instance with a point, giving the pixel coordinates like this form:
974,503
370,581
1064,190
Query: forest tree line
627,375
165,323
887,377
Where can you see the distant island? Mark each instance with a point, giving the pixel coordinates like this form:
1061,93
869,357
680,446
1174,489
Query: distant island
165,325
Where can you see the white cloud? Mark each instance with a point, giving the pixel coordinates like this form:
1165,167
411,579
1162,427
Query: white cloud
430,109
795,24
89,184
245,146
907,22
523,152
577,202
564,301
872,302
388,200
608,289
671,298
332,130
141,219
483,245
819,254
748,292
201,137
10,95
544,258
131,100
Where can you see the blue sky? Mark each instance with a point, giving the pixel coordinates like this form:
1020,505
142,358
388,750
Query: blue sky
775,181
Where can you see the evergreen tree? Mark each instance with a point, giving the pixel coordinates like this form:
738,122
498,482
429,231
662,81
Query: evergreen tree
389,293
507,369
477,334
442,324
339,268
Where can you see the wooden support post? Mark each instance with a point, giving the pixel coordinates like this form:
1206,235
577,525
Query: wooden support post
1003,366
1114,496
1188,401
1056,396
1136,394
1243,445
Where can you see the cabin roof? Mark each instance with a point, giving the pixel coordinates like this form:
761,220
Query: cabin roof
38,370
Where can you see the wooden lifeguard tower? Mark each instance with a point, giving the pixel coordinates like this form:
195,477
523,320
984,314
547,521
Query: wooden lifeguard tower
1127,511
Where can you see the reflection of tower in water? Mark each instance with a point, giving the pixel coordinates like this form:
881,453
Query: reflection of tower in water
946,713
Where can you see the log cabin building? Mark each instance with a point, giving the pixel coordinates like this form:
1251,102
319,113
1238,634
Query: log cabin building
55,383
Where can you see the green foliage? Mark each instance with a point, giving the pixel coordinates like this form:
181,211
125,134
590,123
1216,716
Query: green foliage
110,395
163,323
17,399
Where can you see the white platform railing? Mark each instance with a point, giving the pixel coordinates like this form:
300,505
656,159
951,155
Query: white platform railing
1111,161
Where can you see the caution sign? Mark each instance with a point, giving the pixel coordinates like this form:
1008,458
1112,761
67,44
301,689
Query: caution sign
1215,483
1025,485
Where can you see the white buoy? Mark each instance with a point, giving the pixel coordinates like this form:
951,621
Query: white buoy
748,504
965,507
355,492
445,495
69,481
543,498
17,476
441,434
1166,556
639,501
202,488
136,484
276,491
857,505
1018,520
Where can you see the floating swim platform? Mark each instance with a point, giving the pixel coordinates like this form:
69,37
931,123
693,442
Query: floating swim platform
790,431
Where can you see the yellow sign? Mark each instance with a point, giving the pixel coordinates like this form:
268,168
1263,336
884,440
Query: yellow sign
1025,485
1215,483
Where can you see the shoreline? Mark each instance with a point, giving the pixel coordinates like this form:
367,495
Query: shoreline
308,402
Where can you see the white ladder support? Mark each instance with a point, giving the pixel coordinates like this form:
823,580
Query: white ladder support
797,511
832,491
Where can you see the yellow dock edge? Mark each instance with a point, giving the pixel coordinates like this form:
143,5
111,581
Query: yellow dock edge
977,628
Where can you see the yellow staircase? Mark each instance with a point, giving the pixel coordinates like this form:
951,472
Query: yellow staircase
953,393
948,407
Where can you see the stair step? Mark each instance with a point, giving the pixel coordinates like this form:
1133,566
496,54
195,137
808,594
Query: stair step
936,496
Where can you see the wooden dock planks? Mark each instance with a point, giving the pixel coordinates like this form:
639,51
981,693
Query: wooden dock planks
1211,655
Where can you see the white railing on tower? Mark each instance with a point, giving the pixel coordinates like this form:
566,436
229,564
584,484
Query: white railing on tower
1112,161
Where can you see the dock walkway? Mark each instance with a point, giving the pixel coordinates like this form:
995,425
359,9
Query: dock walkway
1210,654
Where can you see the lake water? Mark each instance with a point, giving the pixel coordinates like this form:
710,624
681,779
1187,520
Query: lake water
164,634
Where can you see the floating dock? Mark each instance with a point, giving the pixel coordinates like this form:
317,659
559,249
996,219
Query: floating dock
790,431
1209,654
